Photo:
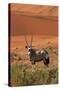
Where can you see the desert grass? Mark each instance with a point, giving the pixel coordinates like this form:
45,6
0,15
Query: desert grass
22,75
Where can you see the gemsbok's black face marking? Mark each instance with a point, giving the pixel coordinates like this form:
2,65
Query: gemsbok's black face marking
37,55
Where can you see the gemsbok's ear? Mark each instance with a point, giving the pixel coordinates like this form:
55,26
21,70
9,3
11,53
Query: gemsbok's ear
26,47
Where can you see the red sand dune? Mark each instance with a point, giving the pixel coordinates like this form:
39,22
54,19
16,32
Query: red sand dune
37,19
24,24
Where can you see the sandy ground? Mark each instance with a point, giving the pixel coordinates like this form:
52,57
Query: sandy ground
38,41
